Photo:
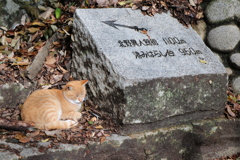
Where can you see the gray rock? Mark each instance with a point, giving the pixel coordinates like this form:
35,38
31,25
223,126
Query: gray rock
139,78
8,156
236,84
229,71
11,13
224,38
220,10
235,60
201,29
12,94
237,9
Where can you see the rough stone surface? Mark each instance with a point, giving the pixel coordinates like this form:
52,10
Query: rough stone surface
10,13
224,38
235,60
201,29
12,94
236,84
135,88
200,140
229,71
237,8
220,10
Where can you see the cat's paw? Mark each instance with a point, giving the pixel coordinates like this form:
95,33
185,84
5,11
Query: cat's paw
71,123
76,115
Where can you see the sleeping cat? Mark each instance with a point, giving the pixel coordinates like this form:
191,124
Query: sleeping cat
49,108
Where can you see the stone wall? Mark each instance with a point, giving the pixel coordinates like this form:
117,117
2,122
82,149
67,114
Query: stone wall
220,31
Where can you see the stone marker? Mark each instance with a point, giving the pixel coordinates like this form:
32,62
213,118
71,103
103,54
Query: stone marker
144,69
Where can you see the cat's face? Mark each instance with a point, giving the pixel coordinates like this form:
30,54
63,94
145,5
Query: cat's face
75,91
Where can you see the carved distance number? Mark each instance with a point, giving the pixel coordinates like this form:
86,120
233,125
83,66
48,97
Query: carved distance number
189,51
173,40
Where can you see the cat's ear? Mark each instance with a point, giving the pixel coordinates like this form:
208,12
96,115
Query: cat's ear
83,82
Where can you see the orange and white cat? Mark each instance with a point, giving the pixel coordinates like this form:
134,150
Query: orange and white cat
50,108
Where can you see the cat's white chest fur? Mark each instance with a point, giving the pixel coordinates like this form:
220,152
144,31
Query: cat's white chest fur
76,102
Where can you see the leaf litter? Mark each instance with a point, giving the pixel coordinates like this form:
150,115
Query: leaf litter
232,107
232,157
19,47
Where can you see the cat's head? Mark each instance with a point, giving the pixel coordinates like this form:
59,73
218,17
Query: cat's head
75,91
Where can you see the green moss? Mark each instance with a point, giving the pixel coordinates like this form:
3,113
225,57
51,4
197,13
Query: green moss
213,130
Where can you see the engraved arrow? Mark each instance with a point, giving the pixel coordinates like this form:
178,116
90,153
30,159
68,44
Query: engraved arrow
114,25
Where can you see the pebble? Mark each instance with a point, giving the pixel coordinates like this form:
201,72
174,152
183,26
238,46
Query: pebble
237,9
229,71
235,60
220,10
236,85
224,38
201,28
223,35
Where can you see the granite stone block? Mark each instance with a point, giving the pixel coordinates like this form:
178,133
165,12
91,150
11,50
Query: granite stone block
144,69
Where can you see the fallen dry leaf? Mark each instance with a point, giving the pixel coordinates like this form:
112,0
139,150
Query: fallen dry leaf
99,134
11,55
25,140
50,60
33,37
38,24
3,41
236,106
57,78
20,136
107,135
102,139
21,63
99,127
192,3
93,119
33,29
53,133
2,66
55,43
33,134
231,113
62,69
238,97
202,61
102,3
45,140
72,9
47,13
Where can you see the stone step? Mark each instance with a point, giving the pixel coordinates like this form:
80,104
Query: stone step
200,140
